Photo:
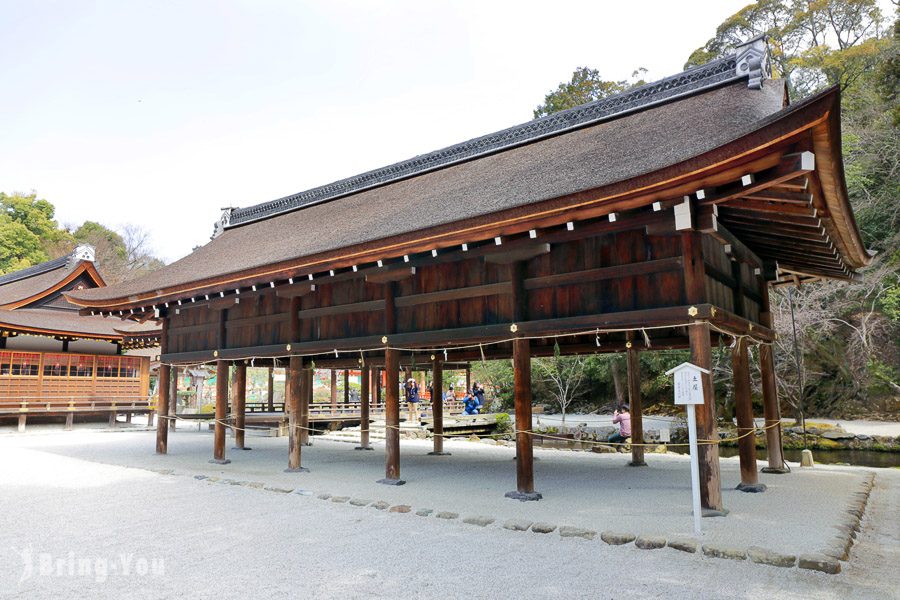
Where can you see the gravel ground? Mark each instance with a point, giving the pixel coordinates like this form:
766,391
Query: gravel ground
594,491
140,534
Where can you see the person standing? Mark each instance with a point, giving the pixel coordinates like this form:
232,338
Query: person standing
412,399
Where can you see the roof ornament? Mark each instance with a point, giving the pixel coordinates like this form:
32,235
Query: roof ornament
222,223
752,59
81,252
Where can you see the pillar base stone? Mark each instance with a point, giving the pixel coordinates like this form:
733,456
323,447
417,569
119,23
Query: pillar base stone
775,470
387,481
752,488
364,448
438,454
219,461
637,464
712,512
296,470
523,496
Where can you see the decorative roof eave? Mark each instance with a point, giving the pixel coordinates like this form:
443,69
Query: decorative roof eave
84,267
826,141
750,61
667,183
57,333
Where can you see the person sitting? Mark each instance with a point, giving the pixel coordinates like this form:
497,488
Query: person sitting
470,404
623,418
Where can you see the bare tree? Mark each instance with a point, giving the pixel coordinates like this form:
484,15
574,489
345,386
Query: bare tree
563,375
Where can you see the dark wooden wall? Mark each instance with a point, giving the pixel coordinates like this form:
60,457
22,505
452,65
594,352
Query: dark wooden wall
613,272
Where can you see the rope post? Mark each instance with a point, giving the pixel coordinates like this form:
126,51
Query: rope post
633,363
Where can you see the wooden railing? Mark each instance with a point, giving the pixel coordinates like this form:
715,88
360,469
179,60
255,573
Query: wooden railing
66,404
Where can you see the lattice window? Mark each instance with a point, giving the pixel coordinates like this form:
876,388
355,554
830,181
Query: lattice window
22,364
56,365
81,366
107,366
130,367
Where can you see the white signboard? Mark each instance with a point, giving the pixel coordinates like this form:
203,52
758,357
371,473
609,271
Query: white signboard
688,383
689,392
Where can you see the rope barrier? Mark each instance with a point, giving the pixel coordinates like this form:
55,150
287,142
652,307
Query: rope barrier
480,345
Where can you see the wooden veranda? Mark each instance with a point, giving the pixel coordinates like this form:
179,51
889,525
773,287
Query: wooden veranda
657,218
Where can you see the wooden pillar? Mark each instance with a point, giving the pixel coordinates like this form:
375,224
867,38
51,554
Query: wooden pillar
162,386
306,394
468,378
346,386
365,387
633,362
270,389
437,406
771,411
221,413
69,418
293,392
710,480
112,419
771,406
392,419
701,355
333,390
524,450
239,404
379,390
173,398
743,403
22,419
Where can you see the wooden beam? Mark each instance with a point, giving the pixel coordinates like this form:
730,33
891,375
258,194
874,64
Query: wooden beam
341,309
770,195
297,290
736,247
509,256
771,207
646,267
789,167
728,214
386,275
475,291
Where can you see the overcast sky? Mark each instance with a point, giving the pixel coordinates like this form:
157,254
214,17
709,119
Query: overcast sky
161,113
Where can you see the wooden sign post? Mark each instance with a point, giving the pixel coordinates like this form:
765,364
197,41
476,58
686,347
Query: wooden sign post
689,392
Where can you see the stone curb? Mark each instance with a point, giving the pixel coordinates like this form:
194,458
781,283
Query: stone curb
826,561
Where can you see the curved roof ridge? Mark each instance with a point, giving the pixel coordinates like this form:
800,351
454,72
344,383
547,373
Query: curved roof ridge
38,269
703,77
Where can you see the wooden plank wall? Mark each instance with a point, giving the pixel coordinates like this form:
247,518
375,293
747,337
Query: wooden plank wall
605,277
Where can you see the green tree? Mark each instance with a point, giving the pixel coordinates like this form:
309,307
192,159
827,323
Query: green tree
585,86
28,231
